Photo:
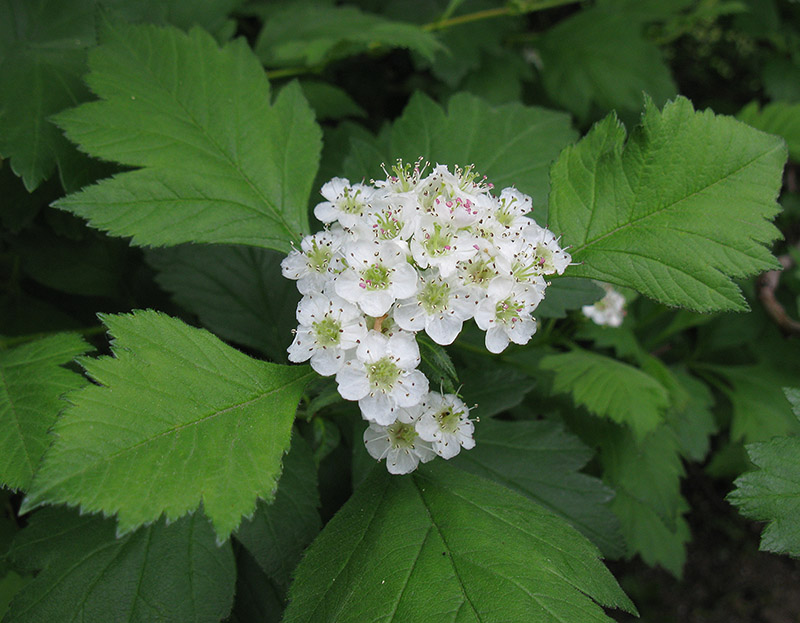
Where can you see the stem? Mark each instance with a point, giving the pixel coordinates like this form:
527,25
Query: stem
22,339
378,322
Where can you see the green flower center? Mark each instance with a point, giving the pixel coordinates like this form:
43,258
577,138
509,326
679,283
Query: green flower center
434,297
382,374
480,272
402,435
376,277
388,227
449,420
544,259
351,204
438,242
319,258
327,331
508,311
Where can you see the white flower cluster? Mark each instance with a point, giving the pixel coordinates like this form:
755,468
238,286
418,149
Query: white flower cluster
413,253
609,310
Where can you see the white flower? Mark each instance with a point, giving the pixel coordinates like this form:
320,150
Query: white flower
317,261
445,423
382,377
345,203
440,307
377,274
549,256
399,444
439,244
329,326
609,310
505,314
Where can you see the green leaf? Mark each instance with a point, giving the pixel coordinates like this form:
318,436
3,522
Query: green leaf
279,532
646,476
510,144
220,163
692,422
781,118
565,294
675,213
599,57
494,387
444,545
771,493
41,75
609,388
759,407
437,366
329,101
176,418
164,573
542,461
238,292
309,34
258,599
33,383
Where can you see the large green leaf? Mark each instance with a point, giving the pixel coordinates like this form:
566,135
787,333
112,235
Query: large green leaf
781,118
278,533
311,34
40,75
176,418
677,211
220,163
444,545
172,573
609,388
238,292
599,57
510,144
493,387
542,461
771,493
32,383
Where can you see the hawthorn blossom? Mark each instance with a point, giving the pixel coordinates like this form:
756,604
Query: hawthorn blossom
445,423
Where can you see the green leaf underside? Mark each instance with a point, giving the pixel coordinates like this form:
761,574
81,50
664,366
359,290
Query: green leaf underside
32,383
172,573
177,417
609,388
444,545
311,35
772,493
41,75
781,118
599,57
542,461
512,145
675,213
278,533
233,290
220,164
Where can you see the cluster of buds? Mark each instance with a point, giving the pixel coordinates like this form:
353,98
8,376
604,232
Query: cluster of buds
412,253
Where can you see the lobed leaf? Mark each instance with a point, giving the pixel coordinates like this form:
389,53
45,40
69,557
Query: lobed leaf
312,34
219,162
598,57
609,388
176,418
675,213
277,533
781,118
32,383
40,75
172,573
541,461
237,292
444,545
